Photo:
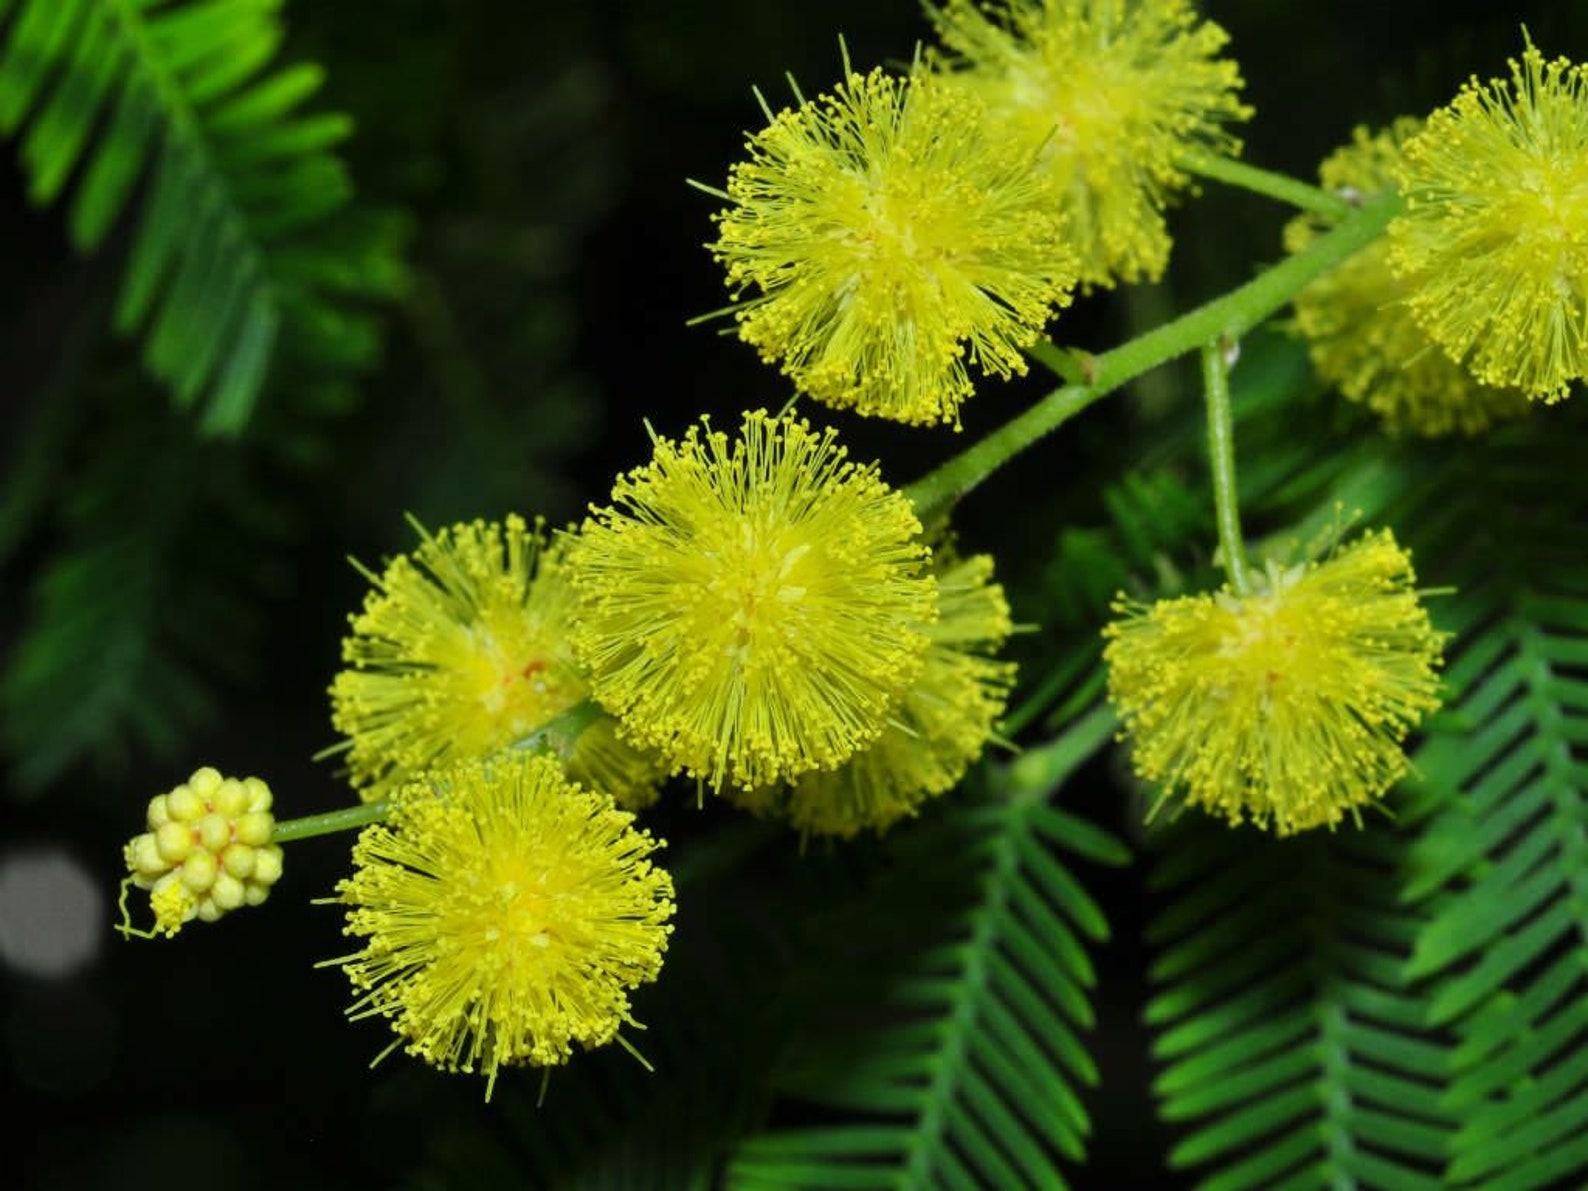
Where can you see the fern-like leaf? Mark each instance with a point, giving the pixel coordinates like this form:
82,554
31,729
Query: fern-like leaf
176,100
1503,864
1294,1055
152,590
940,1033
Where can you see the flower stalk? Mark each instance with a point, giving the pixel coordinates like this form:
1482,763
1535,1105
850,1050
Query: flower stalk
1216,363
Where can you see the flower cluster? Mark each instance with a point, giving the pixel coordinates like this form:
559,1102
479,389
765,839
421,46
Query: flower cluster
1493,246
752,608
1109,98
1359,325
939,727
1286,706
208,850
507,913
889,234
889,244
463,649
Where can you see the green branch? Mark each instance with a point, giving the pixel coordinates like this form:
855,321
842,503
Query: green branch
1228,317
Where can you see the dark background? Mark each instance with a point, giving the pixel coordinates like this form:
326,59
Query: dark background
540,153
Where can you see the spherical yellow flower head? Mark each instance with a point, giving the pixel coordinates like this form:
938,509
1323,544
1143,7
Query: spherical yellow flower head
1493,246
1110,93
938,729
1288,706
752,608
207,850
1360,331
462,649
889,244
508,912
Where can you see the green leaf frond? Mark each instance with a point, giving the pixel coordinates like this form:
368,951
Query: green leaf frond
1293,1053
937,1033
152,590
235,250
1502,863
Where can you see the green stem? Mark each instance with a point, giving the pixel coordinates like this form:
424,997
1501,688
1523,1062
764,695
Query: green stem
556,735
347,819
1221,459
1265,182
560,733
1230,317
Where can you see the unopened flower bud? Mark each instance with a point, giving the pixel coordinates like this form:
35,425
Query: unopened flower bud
207,851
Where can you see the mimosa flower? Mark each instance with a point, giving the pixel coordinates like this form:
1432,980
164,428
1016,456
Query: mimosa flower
1111,94
1288,706
1359,327
208,850
939,728
752,608
1493,246
887,243
463,649
507,912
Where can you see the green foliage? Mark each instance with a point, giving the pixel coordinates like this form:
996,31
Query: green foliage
1293,1052
1446,956
1502,863
126,632
935,1038
246,271
230,253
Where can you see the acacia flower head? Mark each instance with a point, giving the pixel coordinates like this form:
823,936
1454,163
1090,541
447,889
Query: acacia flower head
1110,94
1493,245
507,913
1287,706
1360,331
886,244
463,648
207,851
752,607
940,726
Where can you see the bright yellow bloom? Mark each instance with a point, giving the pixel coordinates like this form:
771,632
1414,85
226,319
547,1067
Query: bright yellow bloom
462,649
751,608
939,727
1111,94
208,850
1493,246
1288,706
507,912
888,243
1359,328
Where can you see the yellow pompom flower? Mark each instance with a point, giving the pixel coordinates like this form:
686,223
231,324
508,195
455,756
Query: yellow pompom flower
752,608
207,851
1111,94
888,243
939,728
1359,328
507,912
463,649
1493,246
1287,706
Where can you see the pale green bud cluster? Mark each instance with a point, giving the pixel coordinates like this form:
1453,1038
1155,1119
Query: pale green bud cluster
208,849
